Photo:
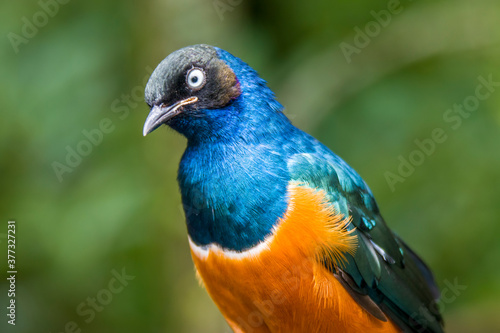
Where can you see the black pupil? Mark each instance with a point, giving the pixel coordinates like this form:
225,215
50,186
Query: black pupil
194,79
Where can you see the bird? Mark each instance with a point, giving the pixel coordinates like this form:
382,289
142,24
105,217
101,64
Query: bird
285,236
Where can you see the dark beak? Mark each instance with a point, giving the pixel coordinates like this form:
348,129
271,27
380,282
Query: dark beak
159,114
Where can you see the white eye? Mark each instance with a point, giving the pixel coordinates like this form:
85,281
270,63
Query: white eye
195,78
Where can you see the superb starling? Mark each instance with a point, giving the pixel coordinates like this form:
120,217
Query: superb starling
285,236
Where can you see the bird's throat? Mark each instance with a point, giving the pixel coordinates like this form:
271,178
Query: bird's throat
233,193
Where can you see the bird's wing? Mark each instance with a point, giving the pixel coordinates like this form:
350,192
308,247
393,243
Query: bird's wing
383,275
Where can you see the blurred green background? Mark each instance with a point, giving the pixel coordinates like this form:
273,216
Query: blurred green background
119,207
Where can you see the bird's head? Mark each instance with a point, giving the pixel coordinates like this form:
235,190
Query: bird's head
201,90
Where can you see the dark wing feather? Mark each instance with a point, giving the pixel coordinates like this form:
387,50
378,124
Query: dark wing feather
384,275
359,296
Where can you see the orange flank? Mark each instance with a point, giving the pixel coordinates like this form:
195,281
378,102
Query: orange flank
280,285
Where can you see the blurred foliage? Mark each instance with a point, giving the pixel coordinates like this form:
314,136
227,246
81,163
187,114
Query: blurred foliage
120,207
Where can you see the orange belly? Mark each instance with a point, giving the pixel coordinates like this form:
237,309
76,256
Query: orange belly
280,286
